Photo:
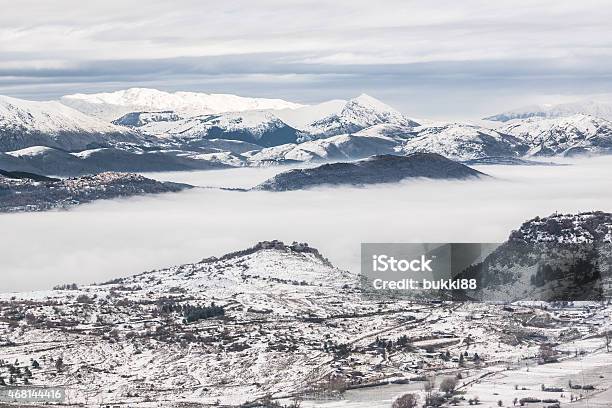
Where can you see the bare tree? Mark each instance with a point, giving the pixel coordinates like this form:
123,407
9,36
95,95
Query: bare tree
448,385
406,401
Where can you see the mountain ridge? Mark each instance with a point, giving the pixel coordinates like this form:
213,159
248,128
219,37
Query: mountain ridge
374,170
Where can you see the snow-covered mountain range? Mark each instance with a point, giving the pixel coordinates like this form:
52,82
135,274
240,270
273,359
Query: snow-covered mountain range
230,130
586,107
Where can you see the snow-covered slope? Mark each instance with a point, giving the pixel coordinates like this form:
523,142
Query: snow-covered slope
356,114
112,105
570,135
359,145
55,162
260,127
28,123
560,257
459,141
587,107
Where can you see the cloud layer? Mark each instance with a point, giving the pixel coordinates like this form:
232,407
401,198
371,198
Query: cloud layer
427,58
108,239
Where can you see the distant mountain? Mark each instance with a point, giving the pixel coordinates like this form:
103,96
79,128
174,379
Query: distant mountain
273,127
262,128
342,147
560,257
572,135
28,123
140,119
507,161
54,162
459,141
26,194
588,107
112,105
356,114
377,169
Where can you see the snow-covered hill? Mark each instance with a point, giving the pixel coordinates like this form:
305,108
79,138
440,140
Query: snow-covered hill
577,134
374,170
112,105
587,107
560,257
459,141
28,123
255,126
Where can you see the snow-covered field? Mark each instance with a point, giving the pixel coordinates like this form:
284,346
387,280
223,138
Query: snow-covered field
121,237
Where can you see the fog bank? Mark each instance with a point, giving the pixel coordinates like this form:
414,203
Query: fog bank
103,240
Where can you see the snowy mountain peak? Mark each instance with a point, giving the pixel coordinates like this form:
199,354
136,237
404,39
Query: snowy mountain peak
357,114
112,105
369,101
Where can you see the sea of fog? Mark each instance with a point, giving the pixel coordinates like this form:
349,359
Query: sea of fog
107,239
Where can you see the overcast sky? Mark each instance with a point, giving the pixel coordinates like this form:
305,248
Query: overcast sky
429,58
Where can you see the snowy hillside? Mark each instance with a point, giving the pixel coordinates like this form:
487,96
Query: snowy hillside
561,257
256,126
587,107
268,322
28,123
463,142
575,134
112,105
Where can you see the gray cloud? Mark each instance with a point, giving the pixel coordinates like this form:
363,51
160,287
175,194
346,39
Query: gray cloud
408,52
